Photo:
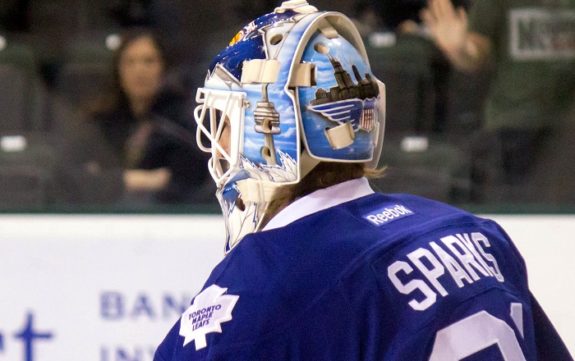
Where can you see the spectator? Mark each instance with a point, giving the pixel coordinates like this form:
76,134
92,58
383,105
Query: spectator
144,127
531,45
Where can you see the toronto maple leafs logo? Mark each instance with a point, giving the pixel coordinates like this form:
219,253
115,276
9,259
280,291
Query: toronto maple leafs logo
208,311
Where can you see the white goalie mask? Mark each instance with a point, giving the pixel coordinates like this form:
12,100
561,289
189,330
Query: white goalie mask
292,89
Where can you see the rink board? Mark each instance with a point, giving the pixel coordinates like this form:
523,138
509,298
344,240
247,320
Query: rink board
108,288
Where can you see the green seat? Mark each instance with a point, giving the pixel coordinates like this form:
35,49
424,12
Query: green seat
440,172
406,68
21,96
87,70
26,172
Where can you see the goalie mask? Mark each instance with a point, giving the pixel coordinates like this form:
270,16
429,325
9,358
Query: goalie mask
292,89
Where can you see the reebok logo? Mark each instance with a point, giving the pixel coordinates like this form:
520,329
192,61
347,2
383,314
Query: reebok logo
388,214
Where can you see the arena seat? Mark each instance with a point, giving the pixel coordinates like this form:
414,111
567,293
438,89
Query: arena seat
21,102
405,69
78,83
439,171
466,97
86,70
25,172
23,188
13,100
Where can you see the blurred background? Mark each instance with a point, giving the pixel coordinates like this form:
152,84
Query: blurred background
97,101
109,224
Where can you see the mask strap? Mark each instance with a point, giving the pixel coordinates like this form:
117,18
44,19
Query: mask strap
257,191
380,126
307,163
340,136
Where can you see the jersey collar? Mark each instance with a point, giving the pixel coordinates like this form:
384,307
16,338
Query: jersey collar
320,200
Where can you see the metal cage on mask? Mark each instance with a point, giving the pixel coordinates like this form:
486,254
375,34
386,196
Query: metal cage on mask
220,108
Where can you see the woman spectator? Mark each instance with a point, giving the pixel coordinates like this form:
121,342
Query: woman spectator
143,123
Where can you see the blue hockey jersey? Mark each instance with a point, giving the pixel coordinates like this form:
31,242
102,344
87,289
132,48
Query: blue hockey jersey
375,277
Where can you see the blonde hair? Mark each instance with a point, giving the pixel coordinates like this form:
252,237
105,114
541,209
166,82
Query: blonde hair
324,175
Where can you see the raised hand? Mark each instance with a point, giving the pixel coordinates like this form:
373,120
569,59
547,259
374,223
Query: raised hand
447,25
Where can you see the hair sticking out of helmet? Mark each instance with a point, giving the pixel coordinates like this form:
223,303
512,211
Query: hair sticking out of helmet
295,89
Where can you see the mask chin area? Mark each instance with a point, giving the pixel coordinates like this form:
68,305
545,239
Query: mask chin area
241,218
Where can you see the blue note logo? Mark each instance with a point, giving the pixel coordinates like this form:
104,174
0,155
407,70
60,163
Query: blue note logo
28,336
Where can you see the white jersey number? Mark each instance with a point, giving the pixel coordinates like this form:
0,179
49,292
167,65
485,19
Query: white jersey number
478,332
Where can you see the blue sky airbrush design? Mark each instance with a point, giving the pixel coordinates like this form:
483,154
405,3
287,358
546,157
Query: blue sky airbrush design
341,50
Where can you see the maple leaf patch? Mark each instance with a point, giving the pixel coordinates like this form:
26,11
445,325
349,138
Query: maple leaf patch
208,311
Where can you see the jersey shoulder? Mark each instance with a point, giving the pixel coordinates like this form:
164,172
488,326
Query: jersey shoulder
435,266
386,209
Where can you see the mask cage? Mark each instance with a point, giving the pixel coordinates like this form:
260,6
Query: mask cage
217,109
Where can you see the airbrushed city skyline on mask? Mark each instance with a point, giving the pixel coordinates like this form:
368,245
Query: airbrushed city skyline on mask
357,105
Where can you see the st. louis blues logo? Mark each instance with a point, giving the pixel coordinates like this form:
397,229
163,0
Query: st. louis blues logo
361,113
348,102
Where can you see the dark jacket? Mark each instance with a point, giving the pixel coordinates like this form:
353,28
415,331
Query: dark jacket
95,155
